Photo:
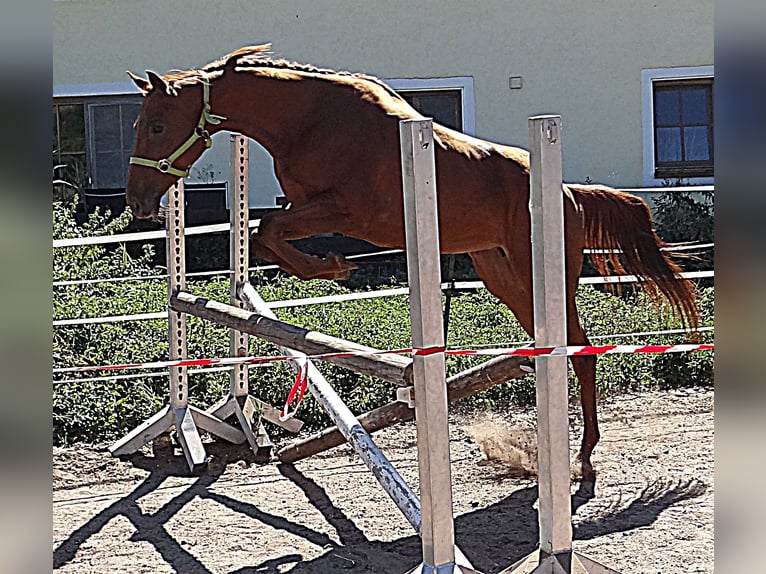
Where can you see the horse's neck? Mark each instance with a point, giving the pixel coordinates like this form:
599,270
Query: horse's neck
267,110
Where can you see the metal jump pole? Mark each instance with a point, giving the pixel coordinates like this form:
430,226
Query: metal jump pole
248,410
187,419
424,275
546,205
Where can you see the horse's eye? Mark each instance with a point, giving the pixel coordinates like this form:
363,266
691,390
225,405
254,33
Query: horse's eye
157,129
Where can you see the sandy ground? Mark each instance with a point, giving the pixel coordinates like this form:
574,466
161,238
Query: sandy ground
653,510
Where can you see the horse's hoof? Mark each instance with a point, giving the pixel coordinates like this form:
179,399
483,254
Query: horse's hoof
586,490
344,267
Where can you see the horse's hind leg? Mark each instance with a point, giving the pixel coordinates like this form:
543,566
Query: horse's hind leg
513,286
584,367
585,370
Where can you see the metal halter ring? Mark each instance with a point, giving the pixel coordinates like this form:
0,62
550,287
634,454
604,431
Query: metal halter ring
204,134
163,165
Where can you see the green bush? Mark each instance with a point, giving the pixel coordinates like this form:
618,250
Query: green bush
106,409
681,216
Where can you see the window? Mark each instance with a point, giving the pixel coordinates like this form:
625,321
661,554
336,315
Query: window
93,133
444,106
449,101
69,142
110,141
683,128
678,125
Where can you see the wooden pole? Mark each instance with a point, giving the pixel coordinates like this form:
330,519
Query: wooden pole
389,367
388,477
471,381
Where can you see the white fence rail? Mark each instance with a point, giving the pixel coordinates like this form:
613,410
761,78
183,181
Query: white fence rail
206,229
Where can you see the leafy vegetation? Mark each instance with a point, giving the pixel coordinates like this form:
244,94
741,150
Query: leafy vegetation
684,216
105,409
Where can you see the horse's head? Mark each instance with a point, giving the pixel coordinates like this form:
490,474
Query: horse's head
171,133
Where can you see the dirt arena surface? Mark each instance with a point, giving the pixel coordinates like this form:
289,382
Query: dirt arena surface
653,510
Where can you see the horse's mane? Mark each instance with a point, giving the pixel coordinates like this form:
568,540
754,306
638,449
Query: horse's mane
256,60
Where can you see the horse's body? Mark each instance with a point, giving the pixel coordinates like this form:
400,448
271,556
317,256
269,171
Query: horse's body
334,138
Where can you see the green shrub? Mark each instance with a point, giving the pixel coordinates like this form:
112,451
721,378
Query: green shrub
682,216
106,409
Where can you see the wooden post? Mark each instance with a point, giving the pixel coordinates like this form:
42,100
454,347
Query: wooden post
239,403
546,205
186,431
365,360
239,248
424,275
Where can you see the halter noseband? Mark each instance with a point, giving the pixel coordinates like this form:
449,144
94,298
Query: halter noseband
166,165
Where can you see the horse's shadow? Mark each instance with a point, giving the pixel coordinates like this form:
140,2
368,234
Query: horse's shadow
492,538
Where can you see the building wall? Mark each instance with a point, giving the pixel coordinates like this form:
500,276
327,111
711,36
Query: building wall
582,60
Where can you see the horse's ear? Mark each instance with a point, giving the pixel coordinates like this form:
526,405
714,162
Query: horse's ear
140,82
156,81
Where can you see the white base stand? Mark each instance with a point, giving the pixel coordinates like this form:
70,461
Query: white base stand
563,563
186,421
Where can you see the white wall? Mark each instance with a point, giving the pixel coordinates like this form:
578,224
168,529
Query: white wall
580,59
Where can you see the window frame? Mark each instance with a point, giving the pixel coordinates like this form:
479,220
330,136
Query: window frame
463,84
61,157
88,95
649,78
91,103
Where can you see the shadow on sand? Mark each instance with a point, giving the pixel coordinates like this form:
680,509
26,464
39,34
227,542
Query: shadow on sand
493,538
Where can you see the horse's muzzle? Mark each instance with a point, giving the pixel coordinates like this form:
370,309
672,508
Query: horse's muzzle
142,210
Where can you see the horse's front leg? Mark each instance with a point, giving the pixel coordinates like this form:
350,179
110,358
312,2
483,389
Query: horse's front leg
320,215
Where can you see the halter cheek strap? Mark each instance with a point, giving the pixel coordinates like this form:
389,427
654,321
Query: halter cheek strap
166,165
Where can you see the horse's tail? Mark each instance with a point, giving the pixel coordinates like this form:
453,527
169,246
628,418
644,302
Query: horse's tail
620,224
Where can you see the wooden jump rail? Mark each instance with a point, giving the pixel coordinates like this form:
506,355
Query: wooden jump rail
389,367
465,384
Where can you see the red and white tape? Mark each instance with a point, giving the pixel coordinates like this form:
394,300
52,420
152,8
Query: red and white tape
295,396
298,390
568,351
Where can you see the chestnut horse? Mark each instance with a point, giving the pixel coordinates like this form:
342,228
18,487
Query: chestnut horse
334,137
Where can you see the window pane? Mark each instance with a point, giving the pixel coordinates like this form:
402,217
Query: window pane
106,127
443,106
694,105
667,107
668,144
72,128
76,171
696,144
109,169
129,116
55,125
